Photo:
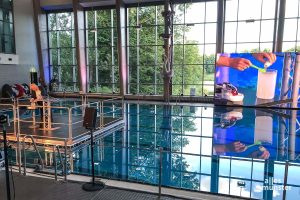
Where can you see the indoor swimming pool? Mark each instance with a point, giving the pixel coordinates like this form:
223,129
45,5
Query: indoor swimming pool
223,150
236,151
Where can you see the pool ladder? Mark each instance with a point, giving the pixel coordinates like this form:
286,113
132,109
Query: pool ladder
55,149
24,153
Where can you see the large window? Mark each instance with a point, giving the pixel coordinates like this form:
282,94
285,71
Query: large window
195,27
249,25
291,35
102,51
7,38
62,51
145,50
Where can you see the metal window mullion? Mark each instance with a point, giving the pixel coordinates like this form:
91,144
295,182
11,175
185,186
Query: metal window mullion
128,44
155,69
251,178
155,137
229,175
73,51
112,52
73,62
203,56
138,53
297,29
58,55
138,130
96,52
237,25
183,51
260,22
181,142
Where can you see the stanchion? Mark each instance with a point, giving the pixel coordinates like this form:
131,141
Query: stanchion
89,122
3,121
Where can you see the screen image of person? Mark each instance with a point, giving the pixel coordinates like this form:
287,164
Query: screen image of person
248,78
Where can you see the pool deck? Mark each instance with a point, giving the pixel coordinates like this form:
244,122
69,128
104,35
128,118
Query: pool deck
35,187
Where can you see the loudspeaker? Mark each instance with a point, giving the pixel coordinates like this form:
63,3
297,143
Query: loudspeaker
90,116
34,78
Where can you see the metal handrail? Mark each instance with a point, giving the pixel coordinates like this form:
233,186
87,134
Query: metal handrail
36,149
56,149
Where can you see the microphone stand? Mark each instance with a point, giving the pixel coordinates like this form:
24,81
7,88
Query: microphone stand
93,186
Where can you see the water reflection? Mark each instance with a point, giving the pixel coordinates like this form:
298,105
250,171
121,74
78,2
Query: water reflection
218,150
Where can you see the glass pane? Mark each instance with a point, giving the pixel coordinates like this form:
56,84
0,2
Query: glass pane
231,10
147,35
65,39
92,74
67,74
290,30
241,169
223,186
194,34
104,37
103,18
64,21
211,11
104,74
248,32
195,12
268,9
66,56
206,165
53,39
132,16
147,55
205,183
147,15
257,190
53,57
90,17
293,175
193,54
52,21
249,9
267,28
291,8
230,32
258,171
179,14
210,33
91,56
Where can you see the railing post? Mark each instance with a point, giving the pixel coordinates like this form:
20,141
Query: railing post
101,115
24,157
70,124
65,165
286,172
55,163
17,117
160,172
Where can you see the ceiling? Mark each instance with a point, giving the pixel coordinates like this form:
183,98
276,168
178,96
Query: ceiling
59,4
90,3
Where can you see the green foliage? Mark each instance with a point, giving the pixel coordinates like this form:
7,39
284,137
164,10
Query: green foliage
295,49
256,50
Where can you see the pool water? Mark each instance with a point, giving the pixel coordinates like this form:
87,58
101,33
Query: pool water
233,151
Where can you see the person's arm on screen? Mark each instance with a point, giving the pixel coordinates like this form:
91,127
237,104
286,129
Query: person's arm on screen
265,57
236,63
